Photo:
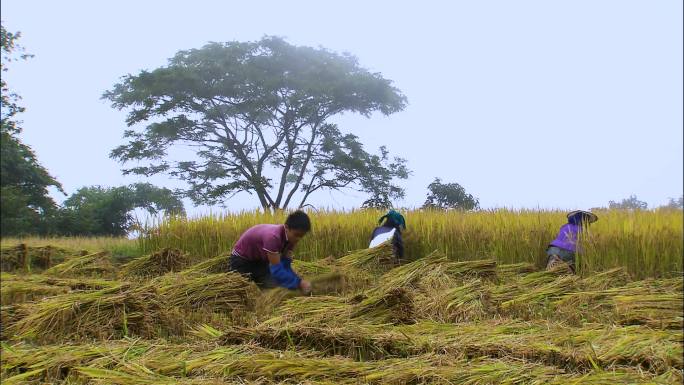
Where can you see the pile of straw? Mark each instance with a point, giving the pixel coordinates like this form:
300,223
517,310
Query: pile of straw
225,292
156,264
656,303
468,301
104,314
214,265
90,265
377,259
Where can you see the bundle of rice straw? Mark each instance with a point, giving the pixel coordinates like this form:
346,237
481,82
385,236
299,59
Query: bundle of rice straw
376,259
219,264
156,264
408,275
104,314
653,302
224,292
91,265
512,269
468,301
393,307
605,279
537,296
307,268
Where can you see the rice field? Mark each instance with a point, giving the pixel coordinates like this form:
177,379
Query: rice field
457,313
648,243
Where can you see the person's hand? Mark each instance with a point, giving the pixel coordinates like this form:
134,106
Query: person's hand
305,286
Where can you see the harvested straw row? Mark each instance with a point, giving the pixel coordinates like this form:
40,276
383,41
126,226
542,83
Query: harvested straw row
238,363
151,310
225,292
657,303
469,301
392,307
156,264
435,271
213,265
91,265
547,343
25,288
103,314
26,258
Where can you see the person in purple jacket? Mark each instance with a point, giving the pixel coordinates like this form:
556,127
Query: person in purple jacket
563,248
264,253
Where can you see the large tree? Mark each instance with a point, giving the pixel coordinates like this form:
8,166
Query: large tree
24,200
257,115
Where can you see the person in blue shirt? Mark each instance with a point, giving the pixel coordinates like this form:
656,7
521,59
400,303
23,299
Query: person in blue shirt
391,225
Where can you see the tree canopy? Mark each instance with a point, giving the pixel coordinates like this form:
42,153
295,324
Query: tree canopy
449,196
257,118
24,182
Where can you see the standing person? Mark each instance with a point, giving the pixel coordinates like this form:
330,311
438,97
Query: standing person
264,253
563,248
390,229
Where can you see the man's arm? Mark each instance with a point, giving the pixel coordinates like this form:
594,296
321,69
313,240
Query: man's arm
284,275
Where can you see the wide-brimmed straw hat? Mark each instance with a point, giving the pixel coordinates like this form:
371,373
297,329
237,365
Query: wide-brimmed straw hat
588,216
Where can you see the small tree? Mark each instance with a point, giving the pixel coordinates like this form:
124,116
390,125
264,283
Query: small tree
107,210
449,196
631,203
674,204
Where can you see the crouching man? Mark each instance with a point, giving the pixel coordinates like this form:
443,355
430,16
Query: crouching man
264,253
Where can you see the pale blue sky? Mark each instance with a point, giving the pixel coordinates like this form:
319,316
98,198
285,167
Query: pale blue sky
553,104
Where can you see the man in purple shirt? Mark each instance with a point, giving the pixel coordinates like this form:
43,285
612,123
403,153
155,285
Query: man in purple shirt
264,253
563,248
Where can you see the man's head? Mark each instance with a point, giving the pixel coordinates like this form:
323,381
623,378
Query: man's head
297,225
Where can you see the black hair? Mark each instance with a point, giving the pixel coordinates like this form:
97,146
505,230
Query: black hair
298,220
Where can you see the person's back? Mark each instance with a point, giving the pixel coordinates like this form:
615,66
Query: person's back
390,229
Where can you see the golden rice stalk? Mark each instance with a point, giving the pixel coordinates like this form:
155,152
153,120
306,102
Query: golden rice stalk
512,269
213,265
376,259
156,264
309,269
91,265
